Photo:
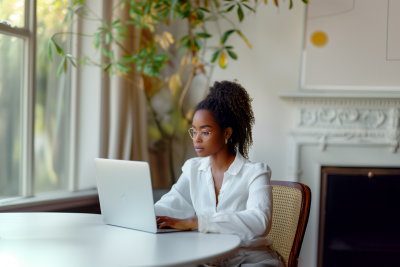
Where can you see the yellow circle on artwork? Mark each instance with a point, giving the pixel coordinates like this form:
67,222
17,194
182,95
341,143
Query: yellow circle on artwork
319,38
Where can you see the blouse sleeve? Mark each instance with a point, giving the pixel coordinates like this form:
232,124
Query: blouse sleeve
250,225
177,203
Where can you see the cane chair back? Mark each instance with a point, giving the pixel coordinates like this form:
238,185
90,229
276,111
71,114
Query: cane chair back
291,208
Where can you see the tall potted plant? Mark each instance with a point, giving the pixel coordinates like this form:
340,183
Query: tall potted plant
144,67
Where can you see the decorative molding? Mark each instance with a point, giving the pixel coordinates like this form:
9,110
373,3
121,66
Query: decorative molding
337,117
338,95
347,102
343,121
334,124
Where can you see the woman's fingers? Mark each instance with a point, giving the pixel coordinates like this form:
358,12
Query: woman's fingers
160,219
164,224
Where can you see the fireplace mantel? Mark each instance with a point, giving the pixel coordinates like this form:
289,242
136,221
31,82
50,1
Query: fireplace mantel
342,130
343,119
338,95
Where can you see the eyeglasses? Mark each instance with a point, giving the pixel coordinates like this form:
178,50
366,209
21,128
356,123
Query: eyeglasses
205,135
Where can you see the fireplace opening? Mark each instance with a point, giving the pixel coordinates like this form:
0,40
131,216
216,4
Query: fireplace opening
359,217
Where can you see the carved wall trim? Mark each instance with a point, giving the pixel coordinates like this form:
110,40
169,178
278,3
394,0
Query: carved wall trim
322,123
342,121
341,118
347,102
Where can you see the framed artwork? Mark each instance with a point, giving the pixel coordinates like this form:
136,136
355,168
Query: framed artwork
352,45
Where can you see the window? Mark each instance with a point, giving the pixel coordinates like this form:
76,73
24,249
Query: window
33,148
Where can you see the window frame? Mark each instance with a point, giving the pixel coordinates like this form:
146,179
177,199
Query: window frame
27,108
27,100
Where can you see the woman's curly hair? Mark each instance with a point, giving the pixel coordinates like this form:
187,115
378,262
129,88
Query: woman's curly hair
230,105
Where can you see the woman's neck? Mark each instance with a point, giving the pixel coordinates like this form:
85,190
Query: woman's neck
221,160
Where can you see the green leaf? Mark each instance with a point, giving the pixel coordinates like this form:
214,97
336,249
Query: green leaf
105,52
108,38
200,14
136,10
120,28
228,47
123,68
305,1
60,67
50,51
240,13
127,60
107,67
65,65
232,54
244,38
105,24
230,8
216,3
131,12
131,22
96,40
59,50
215,56
197,43
291,4
188,44
249,8
226,35
116,22
183,39
72,61
172,10
204,9
147,8
161,57
204,35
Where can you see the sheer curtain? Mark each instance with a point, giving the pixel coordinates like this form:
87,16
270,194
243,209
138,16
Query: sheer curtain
124,124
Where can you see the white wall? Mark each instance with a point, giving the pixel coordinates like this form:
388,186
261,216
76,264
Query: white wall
272,65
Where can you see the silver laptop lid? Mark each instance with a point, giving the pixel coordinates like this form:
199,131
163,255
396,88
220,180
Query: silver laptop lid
126,195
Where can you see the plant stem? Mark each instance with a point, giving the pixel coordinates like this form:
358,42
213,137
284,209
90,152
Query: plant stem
185,90
208,81
234,26
91,11
216,20
77,33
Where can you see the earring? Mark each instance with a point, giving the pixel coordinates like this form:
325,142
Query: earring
226,141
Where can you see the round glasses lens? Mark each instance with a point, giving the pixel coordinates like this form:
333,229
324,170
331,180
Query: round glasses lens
192,133
205,136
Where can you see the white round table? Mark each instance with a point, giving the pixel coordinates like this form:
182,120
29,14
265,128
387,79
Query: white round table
74,240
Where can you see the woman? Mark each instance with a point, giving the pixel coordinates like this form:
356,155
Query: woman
221,191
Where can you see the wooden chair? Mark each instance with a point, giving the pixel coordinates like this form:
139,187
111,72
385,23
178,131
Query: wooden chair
291,208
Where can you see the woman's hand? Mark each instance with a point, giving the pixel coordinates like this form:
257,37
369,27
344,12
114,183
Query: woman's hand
182,224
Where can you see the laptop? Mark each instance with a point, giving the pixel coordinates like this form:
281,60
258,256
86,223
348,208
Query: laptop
126,194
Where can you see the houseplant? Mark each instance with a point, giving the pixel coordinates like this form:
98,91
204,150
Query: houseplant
144,66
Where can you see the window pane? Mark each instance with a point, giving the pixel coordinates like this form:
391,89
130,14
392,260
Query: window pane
13,11
11,75
51,107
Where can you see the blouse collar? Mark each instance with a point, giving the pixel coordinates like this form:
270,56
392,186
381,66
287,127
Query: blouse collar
234,169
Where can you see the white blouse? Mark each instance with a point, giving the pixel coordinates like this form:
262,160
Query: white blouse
244,203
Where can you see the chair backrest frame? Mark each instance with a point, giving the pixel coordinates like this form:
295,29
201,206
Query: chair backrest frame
303,219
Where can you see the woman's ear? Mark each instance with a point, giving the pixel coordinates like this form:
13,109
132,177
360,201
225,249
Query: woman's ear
228,132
